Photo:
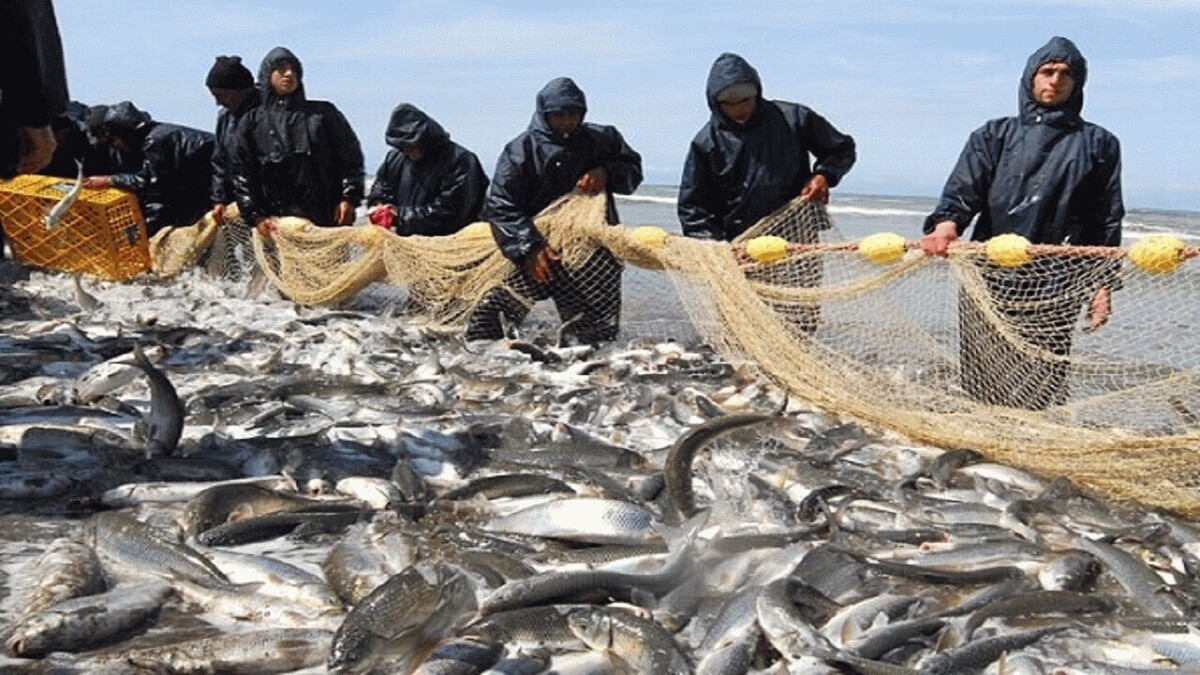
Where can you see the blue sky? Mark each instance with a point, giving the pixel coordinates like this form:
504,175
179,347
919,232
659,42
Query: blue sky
909,79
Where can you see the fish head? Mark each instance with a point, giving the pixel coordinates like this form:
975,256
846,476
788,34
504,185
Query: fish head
592,626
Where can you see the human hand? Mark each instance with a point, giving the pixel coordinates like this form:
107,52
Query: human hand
383,215
344,214
266,226
1099,310
218,214
541,264
594,181
97,182
938,241
37,148
816,190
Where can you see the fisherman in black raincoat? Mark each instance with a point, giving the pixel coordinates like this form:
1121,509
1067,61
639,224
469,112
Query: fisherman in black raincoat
558,153
750,159
75,144
1053,178
173,180
427,184
296,156
232,86
752,156
33,85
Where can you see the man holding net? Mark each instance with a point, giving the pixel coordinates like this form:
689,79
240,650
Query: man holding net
295,156
1052,178
753,156
557,154
428,184
751,159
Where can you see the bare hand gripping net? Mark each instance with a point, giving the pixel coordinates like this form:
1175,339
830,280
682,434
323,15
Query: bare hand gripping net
984,349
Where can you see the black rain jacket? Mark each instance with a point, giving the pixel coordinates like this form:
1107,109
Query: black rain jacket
437,195
737,173
1045,174
295,156
77,144
33,78
539,166
225,152
173,179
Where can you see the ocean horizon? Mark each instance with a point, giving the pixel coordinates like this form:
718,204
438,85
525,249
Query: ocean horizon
859,215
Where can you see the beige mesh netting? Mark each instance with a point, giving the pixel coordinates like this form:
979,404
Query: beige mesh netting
984,349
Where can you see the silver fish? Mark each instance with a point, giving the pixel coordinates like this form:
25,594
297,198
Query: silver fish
59,210
130,546
407,615
641,643
76,624
166,412
86,301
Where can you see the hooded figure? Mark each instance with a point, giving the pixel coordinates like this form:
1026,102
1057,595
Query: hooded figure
1045,174
1053,178
539,166
75,143
738,172
233,87
296,156
556,154
173,179
431,185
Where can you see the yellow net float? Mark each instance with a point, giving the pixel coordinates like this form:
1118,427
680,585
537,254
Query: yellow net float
476,231
1157,254
370,235
883,248
767,249
649,236
1009,250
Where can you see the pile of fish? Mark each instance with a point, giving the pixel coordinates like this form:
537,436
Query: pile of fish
196,481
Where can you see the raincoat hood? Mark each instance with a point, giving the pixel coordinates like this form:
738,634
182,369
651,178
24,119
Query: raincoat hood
1058,50
728,70
558,95
409,127
273,60
125,121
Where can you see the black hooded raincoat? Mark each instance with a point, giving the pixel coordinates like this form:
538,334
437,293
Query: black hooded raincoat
225,153
33,79
1045,174
440,193
737,173
540,166
173,179
1052,178
295,156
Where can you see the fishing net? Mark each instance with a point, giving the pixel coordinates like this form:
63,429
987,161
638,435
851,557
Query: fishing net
982,349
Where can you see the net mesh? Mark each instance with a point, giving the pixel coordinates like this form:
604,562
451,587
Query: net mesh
982,349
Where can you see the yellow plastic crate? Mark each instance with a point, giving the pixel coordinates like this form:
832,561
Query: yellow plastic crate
103,233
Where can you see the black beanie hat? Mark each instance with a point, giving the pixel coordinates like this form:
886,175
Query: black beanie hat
229,73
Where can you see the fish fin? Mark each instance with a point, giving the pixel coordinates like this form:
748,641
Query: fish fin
240,512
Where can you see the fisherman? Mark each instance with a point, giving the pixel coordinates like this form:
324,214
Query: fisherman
173,180
74,144
1052,178
427,184
752,156
558,153
295,156
33,87
232,86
